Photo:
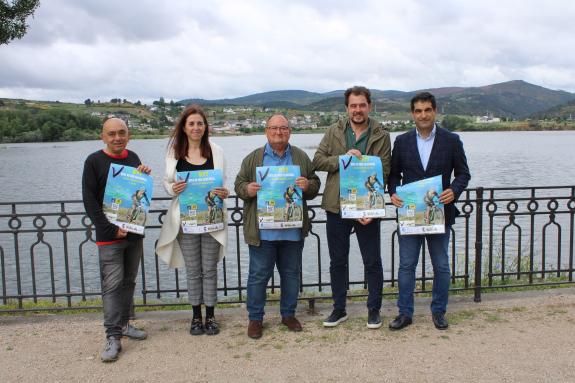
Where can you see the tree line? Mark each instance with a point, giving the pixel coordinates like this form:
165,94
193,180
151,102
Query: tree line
47,126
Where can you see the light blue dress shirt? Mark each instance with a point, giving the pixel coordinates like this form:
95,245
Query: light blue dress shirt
272,159
424,146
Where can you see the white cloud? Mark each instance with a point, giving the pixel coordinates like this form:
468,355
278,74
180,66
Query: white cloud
145,49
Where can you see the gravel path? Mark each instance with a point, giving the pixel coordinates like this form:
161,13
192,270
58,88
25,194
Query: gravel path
509,337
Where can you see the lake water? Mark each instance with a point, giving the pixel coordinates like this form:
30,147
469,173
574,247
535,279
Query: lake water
48,171
52,171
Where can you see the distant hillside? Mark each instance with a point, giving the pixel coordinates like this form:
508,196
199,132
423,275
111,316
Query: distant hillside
296,97
512,99
331,104
561,111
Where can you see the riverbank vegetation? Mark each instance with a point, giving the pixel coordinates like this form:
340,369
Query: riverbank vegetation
32,121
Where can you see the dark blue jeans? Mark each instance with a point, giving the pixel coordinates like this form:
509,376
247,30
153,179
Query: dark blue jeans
368,236
118,270
409,249
287,256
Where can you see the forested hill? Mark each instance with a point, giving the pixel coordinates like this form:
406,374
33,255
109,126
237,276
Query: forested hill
512,99
48,121
47,125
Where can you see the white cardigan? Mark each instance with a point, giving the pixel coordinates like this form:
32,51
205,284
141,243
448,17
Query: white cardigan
168,248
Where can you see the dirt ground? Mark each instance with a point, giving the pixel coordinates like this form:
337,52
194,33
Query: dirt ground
508,337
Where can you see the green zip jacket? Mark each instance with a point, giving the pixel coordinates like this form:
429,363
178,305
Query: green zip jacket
247,174
333,145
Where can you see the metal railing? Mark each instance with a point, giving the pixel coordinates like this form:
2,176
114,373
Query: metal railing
504,237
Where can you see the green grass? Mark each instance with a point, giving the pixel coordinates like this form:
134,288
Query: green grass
493,317
46,306
460,316
556,311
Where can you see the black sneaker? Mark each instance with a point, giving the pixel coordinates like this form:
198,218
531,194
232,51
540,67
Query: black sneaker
373,319
197,327
400,321
336,317
439,321
211,326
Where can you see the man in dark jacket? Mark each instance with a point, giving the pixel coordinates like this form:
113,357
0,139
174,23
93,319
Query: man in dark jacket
424,152
119,251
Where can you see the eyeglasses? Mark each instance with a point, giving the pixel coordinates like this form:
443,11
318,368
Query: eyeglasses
276,129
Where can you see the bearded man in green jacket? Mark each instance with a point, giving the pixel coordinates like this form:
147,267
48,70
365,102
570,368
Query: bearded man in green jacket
357,135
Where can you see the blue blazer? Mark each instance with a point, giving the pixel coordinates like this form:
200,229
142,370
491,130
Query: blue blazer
447,157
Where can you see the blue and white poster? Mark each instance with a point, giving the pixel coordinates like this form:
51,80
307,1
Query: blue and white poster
421,213
279,199
127,198
201,210
361,187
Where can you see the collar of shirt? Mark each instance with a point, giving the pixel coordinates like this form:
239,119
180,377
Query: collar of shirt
352,142
424,146
271,158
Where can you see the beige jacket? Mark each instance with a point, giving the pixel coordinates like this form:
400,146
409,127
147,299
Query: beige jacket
168,248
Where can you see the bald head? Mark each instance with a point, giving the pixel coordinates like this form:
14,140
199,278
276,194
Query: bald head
115,135
113,123
277,120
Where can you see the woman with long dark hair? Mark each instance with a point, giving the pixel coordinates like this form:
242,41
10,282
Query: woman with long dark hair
190,149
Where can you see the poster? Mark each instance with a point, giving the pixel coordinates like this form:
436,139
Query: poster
201,210
127,198
422,213
279,199
361,187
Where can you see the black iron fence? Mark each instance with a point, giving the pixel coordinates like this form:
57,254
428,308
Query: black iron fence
504,237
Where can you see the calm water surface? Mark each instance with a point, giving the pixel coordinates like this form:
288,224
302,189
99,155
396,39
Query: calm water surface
53,171
48,171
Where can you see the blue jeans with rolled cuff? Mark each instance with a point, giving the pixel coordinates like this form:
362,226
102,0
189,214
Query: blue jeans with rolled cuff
287,256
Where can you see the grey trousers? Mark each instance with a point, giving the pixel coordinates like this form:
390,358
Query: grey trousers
201,252
118,270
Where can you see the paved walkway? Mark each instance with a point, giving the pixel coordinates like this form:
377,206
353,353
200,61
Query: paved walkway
509,337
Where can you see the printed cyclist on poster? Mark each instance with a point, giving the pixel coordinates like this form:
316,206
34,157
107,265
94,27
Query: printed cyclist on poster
361,187
421,213
201,210
279,199
127,198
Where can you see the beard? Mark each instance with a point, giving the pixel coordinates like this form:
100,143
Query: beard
358,118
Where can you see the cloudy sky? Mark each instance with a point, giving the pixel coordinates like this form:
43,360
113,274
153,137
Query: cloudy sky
144,49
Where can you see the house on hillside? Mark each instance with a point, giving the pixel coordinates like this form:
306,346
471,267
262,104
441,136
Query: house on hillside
486,119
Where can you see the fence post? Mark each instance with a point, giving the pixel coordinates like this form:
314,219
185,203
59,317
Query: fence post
478,244
311,307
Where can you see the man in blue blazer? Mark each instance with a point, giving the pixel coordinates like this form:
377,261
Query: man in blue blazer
424,152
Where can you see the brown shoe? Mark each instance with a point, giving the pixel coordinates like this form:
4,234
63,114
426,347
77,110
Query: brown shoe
292,323
255,329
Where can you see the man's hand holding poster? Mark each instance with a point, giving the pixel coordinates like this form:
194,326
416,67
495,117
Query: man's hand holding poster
421,213
279,199
361,187
127,198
